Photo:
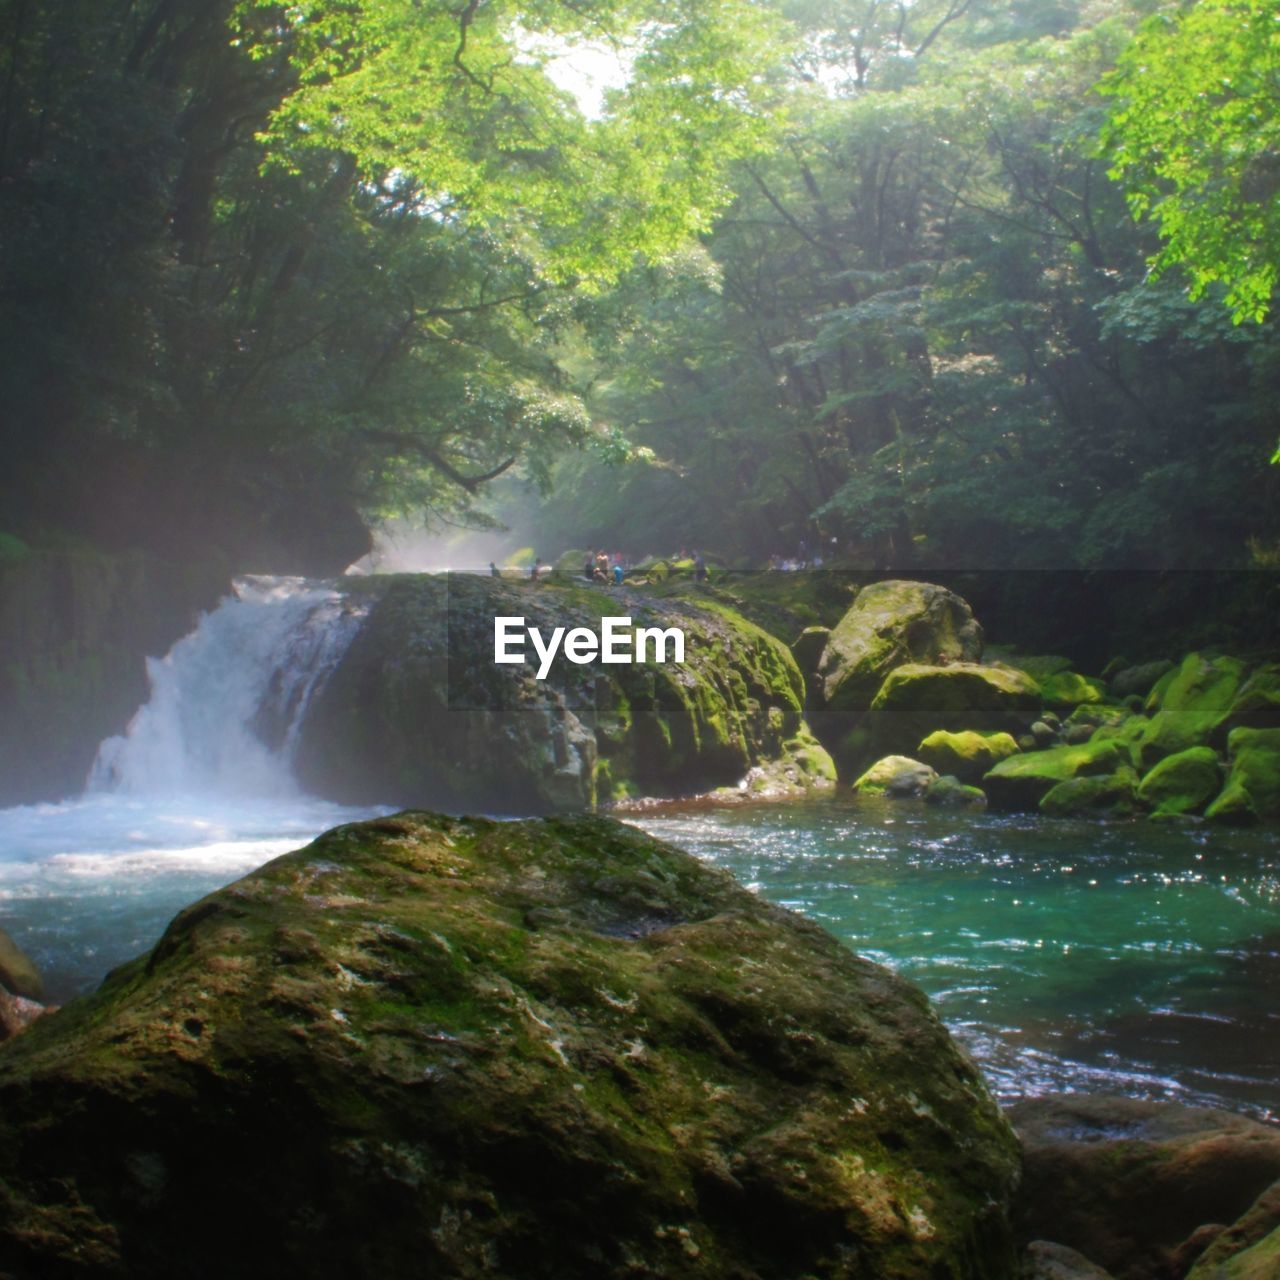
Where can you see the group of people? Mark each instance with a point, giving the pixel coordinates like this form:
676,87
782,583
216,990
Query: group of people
603,568
807,557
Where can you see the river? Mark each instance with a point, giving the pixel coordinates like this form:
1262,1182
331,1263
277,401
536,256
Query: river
1121,958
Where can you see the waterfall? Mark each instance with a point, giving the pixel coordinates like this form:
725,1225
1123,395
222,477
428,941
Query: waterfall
228,700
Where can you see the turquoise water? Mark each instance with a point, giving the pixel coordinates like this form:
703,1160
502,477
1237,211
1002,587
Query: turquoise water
1127,957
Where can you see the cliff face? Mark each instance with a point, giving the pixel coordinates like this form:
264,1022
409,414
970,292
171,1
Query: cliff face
419,713
75,631
462,1048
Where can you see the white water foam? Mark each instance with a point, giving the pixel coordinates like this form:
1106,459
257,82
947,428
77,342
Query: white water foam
228,700
198,790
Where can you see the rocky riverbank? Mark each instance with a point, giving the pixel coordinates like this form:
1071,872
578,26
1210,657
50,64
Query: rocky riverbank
912,703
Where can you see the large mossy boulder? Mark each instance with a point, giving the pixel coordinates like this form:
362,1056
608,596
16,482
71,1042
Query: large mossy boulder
1197,698
549,1050
889,625
1112,794
1182,783
1252,789
897,776
916,700
966,755
1022,781
417,712
1130,1183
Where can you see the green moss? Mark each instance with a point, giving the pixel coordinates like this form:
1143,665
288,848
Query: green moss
1065,690
949,792
472,1043
967,755
1022,781
418,712
1127,735
890,624
895,775
1182,783
1199,696
1113,793
1252,789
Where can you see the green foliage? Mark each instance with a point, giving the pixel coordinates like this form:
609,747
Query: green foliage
926,328
1195,134
268,266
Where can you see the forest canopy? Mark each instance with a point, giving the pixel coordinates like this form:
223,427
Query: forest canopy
794,269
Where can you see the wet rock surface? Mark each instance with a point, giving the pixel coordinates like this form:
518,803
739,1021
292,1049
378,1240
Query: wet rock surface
1132,1185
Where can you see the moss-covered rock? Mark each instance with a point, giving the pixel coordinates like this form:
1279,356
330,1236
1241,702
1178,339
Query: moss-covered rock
1127,735
1252,789
1097,714
1066,690
897,776
1182,783
1112,793
417,712
464,1049
1022,781
916,700
1128,1183
1155,699
1197,698
889,625
1249,1249
967,754
1256,706
17,974
948,792
805,766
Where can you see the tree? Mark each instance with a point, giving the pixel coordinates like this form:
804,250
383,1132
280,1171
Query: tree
1195,135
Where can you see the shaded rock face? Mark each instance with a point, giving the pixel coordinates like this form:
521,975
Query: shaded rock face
1249,1249
1045,1260
916,700
1132,1184
76,629
461,1048
888,625
418,713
